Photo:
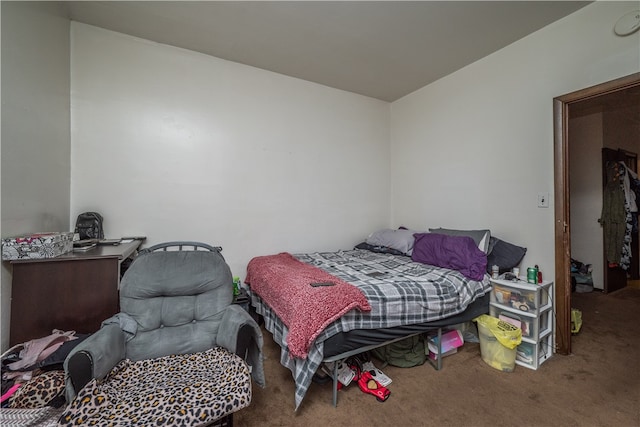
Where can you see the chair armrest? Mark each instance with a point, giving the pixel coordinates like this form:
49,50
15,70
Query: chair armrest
240,334
93,358
233,320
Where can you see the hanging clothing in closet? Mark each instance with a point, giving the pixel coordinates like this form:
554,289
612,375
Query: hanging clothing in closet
619,213
631,186
631,211
614,215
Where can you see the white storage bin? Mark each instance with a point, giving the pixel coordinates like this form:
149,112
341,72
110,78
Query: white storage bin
520,295
530,307
533,354
532,326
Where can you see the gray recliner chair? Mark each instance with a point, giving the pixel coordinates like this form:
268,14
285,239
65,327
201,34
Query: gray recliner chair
178,340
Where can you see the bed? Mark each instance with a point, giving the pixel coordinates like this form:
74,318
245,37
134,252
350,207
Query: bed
405,297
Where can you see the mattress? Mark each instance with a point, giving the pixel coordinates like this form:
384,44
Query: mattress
402,294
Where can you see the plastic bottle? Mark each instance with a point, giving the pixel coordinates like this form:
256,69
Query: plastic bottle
495,272
236,286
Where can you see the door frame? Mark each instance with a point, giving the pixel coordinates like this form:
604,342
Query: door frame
561,106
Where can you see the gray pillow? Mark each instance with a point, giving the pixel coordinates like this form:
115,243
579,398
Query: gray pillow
400,240
481,237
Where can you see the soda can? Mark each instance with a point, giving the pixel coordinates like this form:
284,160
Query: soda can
532,275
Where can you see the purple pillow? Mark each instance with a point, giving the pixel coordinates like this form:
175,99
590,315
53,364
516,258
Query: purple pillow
458,253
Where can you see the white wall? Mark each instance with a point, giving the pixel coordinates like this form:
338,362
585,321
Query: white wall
35,126
177,145
586,142
474,149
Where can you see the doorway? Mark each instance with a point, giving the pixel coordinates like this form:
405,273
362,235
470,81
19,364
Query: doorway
623,90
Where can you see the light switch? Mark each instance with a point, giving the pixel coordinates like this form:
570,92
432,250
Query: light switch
543,200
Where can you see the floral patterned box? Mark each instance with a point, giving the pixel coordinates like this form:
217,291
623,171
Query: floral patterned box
37,245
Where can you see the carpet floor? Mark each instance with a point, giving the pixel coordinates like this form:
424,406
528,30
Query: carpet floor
597,385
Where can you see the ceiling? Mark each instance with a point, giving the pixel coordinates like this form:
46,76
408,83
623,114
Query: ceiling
381,49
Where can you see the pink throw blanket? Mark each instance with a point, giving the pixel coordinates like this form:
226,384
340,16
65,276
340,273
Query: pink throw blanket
284,283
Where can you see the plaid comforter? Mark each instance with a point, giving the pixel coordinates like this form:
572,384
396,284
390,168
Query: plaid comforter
400,292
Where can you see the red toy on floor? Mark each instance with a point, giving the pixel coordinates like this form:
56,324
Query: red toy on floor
366,382
369,385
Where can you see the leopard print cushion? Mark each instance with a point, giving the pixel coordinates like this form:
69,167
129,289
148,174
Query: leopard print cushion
38,391
186,390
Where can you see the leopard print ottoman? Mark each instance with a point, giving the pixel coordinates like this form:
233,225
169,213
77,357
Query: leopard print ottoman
185,390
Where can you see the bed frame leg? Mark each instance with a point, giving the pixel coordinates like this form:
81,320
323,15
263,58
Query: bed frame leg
439,349
437,364
335,384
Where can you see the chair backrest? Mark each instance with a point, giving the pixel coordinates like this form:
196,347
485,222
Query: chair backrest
177,297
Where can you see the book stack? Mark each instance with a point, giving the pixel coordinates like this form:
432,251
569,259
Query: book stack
84,245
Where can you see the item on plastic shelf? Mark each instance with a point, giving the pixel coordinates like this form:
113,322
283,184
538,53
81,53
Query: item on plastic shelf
539,274
495,271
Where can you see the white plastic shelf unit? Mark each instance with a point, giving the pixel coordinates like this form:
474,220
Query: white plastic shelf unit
528,306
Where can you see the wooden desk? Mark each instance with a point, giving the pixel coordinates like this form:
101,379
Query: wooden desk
75,291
